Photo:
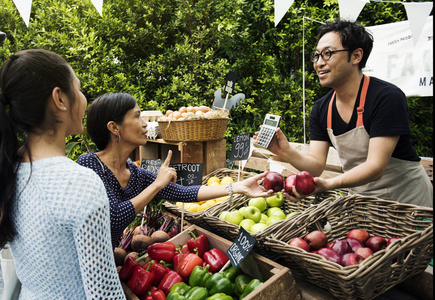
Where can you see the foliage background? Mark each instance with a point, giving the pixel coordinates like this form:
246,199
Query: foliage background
173,53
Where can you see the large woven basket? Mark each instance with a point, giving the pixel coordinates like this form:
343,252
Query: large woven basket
197,218
199,130
230,231
379,272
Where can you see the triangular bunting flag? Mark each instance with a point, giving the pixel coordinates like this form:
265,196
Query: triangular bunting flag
350,9
281,7
24,7
98,5
417,13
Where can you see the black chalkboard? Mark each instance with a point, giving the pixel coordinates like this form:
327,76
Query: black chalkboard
240,247
240,148
188,174
152,165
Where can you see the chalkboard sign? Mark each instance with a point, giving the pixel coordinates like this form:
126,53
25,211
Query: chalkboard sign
240,148
188,174
152,165
240,247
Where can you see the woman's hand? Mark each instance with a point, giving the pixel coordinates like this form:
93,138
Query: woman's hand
250,187
166,174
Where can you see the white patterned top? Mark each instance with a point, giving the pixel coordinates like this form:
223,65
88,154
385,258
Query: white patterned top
63,249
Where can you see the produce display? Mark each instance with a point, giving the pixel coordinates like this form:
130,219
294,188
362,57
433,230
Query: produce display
192,271
149,227
203,205
352,250
193,113
258,214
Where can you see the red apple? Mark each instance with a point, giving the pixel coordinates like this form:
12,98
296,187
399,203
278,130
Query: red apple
305,183
350,259
316,240
301,243
329,254
392,240
376,243
354,243
360,234
289,183
341,247
364,252
273,181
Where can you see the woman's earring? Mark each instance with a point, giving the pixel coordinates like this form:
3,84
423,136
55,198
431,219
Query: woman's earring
119,138
64,108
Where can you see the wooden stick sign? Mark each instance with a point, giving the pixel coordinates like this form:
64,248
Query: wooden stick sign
227,103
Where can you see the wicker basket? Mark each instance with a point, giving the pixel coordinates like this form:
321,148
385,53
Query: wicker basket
197,218
230,231
199,130
379,272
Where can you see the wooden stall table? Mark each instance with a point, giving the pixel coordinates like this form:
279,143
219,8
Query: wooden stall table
212,154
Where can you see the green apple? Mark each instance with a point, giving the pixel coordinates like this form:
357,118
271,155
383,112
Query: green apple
241,209
273,219
259,203
264,218
223,214
274,210
276,200
234,217
291,214
258,227
252,212
247,224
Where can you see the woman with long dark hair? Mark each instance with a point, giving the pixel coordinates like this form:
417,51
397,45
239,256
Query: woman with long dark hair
59,237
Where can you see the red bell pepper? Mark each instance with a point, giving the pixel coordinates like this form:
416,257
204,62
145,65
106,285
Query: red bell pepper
169,280
189,262
128,268
216,259
177,259
156,295
198,244
159,270
162,251
140,281
183,249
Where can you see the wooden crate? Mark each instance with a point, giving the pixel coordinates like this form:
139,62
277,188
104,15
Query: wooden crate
278,283
212,154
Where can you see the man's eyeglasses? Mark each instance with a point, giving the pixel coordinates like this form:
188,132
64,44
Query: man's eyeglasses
325,54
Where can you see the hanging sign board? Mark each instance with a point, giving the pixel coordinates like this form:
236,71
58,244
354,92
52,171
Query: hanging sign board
188,174
152,165
241,247
240,148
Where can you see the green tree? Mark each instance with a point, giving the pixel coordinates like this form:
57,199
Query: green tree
173,53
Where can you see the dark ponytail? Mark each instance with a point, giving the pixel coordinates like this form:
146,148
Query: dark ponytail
27,80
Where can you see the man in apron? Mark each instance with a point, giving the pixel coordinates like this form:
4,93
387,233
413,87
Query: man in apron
365,119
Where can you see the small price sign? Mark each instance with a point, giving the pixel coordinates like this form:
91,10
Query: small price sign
240,247
152,165
241,147
188,174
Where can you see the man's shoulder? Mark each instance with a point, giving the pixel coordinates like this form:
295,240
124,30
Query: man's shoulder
382,85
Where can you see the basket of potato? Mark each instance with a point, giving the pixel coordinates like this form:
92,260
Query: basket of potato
194,124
